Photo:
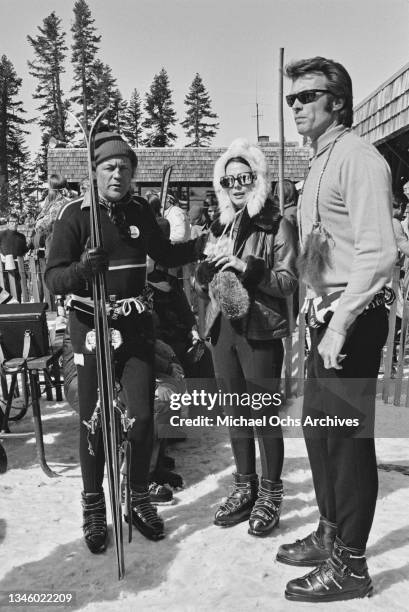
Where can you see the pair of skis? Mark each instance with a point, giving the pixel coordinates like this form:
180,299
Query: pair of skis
107,396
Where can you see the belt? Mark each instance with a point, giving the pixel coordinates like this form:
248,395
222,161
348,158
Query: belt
319,310
115,308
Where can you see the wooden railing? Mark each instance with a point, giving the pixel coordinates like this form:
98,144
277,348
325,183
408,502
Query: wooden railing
28,277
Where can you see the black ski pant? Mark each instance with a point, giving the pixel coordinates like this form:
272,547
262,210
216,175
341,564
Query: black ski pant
342,455
250,367
136,375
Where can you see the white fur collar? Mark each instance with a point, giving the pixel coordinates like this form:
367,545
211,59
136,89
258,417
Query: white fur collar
258,163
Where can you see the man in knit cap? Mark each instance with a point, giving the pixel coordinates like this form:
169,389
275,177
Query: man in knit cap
129,233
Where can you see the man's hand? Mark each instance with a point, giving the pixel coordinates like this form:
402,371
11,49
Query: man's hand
92,262
330,349
177,371
195,335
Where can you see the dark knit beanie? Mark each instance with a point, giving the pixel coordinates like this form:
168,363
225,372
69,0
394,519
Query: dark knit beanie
110,144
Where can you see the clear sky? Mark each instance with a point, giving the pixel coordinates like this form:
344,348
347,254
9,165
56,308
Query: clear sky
233,44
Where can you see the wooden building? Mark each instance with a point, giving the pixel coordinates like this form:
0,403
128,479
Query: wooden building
192,172
383,120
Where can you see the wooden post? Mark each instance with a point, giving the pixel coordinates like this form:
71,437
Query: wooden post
23,279
301,342
201,305
12,283
288,343
34,279
387,363
391,342
2,276
47,296
281,131
288,361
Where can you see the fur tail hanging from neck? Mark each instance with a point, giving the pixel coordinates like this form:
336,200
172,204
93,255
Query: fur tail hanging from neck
315,258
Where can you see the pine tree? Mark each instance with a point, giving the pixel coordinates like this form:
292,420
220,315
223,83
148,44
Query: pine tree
49,51
119,108
20,171
105,93
84,49
161,115
12,131
132,125
198,110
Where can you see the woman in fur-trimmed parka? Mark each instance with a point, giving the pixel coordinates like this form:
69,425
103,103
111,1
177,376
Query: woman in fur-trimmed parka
247,276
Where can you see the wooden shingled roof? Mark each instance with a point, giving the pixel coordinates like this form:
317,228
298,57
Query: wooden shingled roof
385,112
191,165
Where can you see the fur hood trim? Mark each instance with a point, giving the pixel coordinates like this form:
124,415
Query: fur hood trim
258,163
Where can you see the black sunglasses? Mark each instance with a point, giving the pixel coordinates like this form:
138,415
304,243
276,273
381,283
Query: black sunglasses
305,97
244,178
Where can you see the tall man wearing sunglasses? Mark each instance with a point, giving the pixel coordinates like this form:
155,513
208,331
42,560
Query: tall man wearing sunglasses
348,251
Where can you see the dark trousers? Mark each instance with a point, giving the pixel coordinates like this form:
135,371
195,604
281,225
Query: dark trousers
245,366
136,376
342,456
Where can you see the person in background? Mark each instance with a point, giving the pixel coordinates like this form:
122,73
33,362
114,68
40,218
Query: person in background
56,198
178,220
199,224
169,379
402,242
12,244
290,200
42,233
179,233
153,200
199,220
84,185
212,212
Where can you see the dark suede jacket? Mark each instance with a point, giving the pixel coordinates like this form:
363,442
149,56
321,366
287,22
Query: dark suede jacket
268,245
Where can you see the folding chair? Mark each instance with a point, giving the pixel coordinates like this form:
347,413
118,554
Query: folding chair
26,352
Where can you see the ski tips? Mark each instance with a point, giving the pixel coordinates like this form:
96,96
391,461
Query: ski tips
94,123
99,117
78,122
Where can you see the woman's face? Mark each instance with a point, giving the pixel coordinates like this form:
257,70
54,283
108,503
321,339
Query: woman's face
238,193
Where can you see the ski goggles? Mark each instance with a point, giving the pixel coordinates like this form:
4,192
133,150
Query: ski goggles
243,179
305,97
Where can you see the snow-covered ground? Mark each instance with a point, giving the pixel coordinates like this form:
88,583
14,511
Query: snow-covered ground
198,566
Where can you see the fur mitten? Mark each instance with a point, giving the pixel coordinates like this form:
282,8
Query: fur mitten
230,294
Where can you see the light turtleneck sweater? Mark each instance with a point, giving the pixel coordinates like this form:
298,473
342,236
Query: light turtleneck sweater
355,207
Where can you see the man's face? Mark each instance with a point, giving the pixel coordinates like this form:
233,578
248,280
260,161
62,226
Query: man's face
12,224
114,178
314,118
406,190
